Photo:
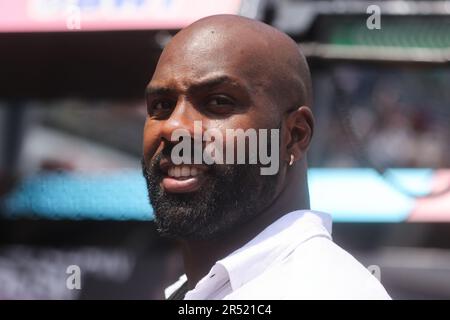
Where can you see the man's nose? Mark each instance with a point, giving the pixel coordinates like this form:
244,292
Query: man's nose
182,118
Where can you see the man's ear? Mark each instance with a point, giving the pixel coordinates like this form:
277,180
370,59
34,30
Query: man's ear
299,131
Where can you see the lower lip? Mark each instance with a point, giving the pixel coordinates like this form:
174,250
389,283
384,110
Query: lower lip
173,185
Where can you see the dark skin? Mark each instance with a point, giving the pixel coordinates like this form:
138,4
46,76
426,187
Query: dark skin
231,72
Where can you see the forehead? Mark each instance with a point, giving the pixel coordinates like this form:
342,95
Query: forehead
207,54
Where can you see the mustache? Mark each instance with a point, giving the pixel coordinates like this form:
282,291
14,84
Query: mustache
166,153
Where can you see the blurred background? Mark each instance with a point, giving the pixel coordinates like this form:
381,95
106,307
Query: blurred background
72,79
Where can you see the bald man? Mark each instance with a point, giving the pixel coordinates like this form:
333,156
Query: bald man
244,234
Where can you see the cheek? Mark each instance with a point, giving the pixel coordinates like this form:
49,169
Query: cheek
151,139
245,122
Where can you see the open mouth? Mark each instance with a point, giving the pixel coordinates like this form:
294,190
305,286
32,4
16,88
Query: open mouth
183,171
182,178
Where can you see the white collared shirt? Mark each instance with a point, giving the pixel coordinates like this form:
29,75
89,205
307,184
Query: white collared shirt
293,258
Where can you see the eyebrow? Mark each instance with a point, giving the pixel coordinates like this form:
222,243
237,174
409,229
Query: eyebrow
212,82
156,90
207,83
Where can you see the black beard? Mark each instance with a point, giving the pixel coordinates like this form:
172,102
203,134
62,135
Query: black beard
230,196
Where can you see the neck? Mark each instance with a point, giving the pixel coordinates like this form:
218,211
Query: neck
199,256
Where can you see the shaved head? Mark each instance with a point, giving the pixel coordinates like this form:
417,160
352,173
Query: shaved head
270,59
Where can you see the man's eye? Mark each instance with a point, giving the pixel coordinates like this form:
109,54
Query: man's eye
159,107
162,105
217,101
220,105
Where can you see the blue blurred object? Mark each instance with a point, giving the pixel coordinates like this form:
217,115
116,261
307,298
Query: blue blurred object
363,195
350,195
116,196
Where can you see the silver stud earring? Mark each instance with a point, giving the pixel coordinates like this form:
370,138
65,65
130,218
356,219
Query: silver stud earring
292,160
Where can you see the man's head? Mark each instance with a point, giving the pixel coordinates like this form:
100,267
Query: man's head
225,72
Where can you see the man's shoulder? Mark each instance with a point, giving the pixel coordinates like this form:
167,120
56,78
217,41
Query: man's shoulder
318,269
330,272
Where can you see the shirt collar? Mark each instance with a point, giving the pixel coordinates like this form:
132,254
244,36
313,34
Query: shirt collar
273,244
270,246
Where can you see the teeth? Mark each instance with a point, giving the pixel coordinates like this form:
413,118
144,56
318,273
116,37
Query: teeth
183,171
177,172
